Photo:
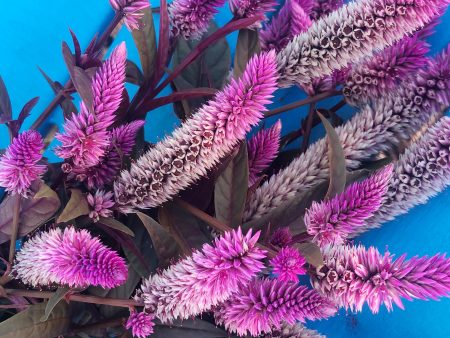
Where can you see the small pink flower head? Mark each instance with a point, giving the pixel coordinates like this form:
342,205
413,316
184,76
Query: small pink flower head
281,237
71,257
19,164
334,220
131,10
262,150
251,8
100,204
288,264
141,324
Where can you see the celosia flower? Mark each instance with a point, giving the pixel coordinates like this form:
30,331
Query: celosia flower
140,323
250,8
205,279
19,164
350,34
288,264
324,7
380,75
100,204
390,120
71,257
262,150
352,276
201,141
132,11
293,331
281,237
264,304
191,18
332,221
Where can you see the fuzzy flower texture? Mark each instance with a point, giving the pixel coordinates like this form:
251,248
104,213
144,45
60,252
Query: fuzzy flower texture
69,257
288,264
100,204
132,11
141,324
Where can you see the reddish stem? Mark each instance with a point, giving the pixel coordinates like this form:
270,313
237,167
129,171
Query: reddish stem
309,126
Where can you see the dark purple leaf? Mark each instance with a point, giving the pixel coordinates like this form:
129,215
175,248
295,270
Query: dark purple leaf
76,46
247,45
5,103
163,43
145,41
82,83
68,58
76,207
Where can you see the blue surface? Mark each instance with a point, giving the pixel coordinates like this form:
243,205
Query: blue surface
32,35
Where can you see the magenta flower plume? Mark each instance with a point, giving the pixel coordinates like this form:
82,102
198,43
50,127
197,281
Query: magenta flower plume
201,141
288,264
141,324
207,278
281,237
100,204
381,75
251,8
332,221
262,150
264,304
19,164
321,8
352,276
191,18
71,257
131,10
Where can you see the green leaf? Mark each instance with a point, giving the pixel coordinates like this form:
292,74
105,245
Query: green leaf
52,302
76,207
336,159
247,45
145,41
5,103
27,324
230,192
190,328
115,224
34,211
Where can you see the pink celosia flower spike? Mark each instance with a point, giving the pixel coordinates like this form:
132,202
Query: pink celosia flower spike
288,264
334,220
191,18
207,278
250,8
71,257
264,304
141,324
281,237
131,10
201,141
262,150
100,204
352,276
19,164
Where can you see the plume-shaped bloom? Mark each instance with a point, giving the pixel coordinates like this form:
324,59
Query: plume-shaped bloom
352,276
19,164
132,11
288,264
350,34
201,141
251,8
262,150
380,75
71,257
373,129
321,8
293,331
100,204
332,221
205,279
264,304
191,18
281,237
140,323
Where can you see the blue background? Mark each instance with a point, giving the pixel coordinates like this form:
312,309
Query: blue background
32,36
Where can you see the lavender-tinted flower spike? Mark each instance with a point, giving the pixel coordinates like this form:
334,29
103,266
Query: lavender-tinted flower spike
71,257
264,304
141,324
350,34
250,8
380,75
293,331
131,10
262,150
352,276
191,18
100,204
332,221
207,278
200,142
19,164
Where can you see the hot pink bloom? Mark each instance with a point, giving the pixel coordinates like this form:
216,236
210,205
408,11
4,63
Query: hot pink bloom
250,8
281,237
352,276
69,257
207,278
262,150
199,144
141,324
100,204
131,10
334,220
19,164
264,304
288,264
